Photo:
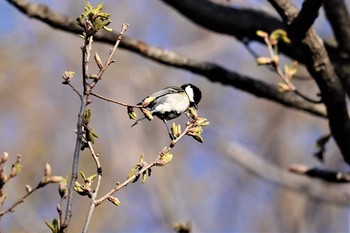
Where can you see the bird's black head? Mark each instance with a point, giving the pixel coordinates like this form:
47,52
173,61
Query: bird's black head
193,93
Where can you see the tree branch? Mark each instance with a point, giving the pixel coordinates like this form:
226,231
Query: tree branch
237,22
94,195
212,71
321,69
339,18
86,49
326,175
243,24
335,194
157,162
306,18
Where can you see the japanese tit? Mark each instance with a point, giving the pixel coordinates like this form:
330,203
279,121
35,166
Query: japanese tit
170,102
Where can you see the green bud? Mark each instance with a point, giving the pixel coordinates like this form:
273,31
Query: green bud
114,200
131,113
147,114
93,76
78,187
82,174
87,116
67,76
279,34
54,226
133,170
262,33
147,101
144,176
92,177
165,159
192,113
202,122
16,169
198,138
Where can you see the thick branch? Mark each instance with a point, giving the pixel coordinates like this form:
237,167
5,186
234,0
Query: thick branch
243,23
237,22
212,71
339,18
306,18
321,69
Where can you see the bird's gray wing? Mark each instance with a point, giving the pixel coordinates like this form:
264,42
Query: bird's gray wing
165,91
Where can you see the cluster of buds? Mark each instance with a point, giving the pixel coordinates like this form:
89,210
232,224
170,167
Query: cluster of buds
275,36
197,125
137,168
164,159
271,40
89,134
15,169
67,76
176,130
85,188
93,19
48,178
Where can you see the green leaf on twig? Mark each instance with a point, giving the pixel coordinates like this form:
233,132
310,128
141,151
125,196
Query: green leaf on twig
54,226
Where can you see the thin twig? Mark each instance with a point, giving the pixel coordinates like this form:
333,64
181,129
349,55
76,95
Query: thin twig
13,206
154,163
276,67
86,49
109,59
94,195
75,90
94,155
115,101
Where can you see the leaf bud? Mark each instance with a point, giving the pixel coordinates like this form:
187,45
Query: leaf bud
114,200
131,113
47,171
147,114
98,61
165,159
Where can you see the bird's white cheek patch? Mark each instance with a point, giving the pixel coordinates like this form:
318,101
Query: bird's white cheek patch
189,92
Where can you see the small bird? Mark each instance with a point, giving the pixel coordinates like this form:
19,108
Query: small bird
170,102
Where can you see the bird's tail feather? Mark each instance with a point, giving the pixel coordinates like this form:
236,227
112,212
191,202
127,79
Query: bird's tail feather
138,120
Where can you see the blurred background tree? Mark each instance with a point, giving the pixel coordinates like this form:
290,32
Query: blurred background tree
238,180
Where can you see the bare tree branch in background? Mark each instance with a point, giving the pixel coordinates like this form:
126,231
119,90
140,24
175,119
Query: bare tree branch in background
243,23
333,193
212,71
330,176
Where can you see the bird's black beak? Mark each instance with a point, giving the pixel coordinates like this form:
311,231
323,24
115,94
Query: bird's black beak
195,106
